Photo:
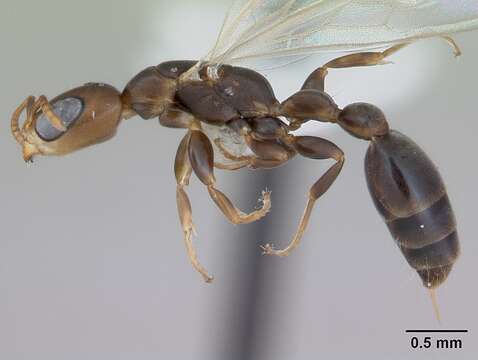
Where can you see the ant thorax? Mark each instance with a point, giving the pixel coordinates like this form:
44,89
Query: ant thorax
230,141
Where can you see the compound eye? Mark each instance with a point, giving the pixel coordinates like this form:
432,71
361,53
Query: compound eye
68,110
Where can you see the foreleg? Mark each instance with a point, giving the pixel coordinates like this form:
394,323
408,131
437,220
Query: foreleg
183,170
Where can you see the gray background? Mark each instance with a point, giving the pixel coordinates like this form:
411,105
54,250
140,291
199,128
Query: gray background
92,263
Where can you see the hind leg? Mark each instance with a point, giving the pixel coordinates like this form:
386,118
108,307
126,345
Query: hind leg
314,148
316,80
312,102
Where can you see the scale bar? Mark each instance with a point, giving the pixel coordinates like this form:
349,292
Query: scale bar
436,331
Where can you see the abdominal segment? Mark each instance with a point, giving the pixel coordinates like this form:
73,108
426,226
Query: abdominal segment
410,195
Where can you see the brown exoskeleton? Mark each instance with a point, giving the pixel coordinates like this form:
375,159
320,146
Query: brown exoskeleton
233,120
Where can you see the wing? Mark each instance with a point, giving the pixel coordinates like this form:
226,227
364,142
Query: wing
265,29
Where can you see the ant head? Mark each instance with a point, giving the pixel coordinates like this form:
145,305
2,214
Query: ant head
80,117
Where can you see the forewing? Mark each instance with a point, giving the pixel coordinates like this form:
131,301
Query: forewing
264,29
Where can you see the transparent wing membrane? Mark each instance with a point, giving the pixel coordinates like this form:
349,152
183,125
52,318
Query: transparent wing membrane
266,29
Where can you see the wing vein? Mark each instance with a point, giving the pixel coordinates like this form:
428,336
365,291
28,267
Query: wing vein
263,30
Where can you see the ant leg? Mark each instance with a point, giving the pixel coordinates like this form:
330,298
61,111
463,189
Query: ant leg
314,148
20,136
456,48
312,103
231,167
316,80
177,118
183,170
32,107
227,154
201,157
254,162
43,104
14,125
258,163
240,161
371,58
174,117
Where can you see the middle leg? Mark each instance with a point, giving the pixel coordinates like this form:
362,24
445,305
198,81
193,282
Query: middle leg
201,157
